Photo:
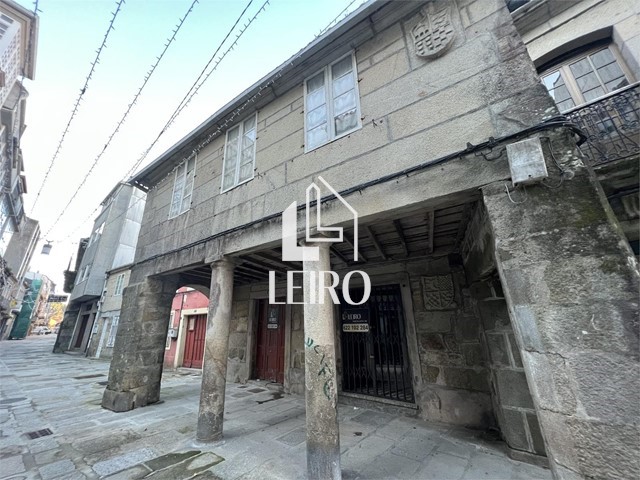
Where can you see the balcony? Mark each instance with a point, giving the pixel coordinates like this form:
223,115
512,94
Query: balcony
611,125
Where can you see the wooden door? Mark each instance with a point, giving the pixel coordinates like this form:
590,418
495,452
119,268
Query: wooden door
194,341
270,342
81,331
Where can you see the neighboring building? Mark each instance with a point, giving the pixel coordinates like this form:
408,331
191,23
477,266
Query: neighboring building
35,306
18,234
105,327
111,245
586,53
504,294
187,327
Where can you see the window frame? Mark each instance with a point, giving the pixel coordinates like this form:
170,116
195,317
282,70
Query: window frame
182,208
111,339
119,286
570,82
241,132
326,70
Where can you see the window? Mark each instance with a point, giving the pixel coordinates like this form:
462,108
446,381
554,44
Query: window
239,154
332,103
585,78
119,285
182,188
96,233
85,273
114,330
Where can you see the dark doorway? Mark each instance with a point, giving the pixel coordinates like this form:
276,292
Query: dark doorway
194,341
81,331
270,342
374,345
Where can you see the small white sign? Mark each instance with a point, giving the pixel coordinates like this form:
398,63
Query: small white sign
355,327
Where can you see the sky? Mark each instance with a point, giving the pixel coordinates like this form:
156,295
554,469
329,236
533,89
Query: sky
70,33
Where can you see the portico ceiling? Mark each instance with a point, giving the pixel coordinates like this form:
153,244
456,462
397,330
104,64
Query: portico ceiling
430,232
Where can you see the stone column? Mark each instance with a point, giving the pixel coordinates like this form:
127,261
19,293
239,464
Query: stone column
571,285
216,353
138,354
323,435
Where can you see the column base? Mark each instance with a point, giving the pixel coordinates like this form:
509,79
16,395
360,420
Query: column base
125,401
118,401
209,428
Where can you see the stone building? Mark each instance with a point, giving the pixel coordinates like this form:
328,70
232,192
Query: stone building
105,327
18,233
111,245
187,328
503,291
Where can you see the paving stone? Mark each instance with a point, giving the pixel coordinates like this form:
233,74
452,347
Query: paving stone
133,473
49,456
441,466
12,465
115,464
489,466
56,469
391,466
294,437
414,448
395,429
261,440
376,419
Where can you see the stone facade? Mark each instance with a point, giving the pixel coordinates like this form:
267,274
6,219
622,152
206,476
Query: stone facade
489,296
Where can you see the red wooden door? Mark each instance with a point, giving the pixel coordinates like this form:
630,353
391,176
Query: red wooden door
270,344
194,341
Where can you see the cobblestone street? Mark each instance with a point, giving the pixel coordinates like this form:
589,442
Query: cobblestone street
264,434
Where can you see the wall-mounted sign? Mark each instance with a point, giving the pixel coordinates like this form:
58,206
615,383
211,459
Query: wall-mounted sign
273,318
355,320
57,298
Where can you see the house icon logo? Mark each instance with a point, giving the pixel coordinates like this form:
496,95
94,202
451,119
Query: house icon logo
322,283
315,232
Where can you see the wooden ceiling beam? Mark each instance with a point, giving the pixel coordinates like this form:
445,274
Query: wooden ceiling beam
375,242
403,242
430,226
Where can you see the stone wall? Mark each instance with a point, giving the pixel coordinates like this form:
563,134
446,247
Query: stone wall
413,110
455,378
510,392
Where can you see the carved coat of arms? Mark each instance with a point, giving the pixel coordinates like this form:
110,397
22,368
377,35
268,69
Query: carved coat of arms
434,34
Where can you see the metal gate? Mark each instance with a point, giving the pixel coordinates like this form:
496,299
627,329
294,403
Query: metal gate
374,346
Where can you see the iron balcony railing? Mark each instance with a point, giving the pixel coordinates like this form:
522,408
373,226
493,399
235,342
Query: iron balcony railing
611,125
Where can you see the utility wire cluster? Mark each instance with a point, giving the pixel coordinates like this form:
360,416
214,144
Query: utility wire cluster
196,86
126,113
83,90
193,90
238,111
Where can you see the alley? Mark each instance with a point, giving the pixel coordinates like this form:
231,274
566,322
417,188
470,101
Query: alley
58,397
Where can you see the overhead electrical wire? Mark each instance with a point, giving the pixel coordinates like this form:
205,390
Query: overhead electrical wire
190,93
83,90
252,99
193,90
126,113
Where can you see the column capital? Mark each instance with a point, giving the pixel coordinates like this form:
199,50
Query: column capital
223,262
